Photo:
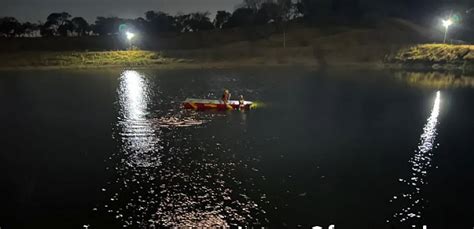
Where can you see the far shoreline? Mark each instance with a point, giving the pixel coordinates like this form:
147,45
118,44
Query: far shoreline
207,65
418,58
151,59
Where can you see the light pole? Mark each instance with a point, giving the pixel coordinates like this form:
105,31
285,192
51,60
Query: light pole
130,36
446,23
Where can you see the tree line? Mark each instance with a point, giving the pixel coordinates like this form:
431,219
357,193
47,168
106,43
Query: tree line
250,13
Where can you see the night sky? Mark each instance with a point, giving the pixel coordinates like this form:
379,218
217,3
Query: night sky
34,10
38,10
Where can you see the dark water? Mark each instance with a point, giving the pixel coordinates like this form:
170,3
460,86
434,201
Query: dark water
113,148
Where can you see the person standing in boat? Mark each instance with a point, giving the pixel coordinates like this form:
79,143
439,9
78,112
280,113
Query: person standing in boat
226,96
241,102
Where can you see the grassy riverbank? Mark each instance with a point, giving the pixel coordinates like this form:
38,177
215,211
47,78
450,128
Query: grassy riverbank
434,57
81,59
213,57
418,57
309,46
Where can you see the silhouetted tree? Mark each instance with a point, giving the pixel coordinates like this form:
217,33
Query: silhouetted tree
251,12
107,26
221,18
181,23
241,17
193,22
46,30
20,30
9,27
80,26
53,23
268,11
200,22
58,18
159,22
314,11
253,4
288,10
66,28
29,29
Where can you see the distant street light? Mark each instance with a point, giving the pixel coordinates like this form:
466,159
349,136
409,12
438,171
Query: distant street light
130,36
446,23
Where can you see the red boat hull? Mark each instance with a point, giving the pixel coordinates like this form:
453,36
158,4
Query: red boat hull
201,104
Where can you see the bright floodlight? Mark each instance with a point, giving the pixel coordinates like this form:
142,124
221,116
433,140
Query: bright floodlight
130,35
447,23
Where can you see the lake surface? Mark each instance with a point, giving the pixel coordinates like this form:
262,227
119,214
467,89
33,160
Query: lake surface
353,148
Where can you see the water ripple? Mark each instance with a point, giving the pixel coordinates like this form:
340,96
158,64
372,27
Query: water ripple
164,176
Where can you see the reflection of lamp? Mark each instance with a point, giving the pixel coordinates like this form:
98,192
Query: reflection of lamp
446,23
130,36
134,95
139,139
420,162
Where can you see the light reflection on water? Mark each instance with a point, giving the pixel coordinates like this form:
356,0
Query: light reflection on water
436,80
164,177
138,137
411,201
